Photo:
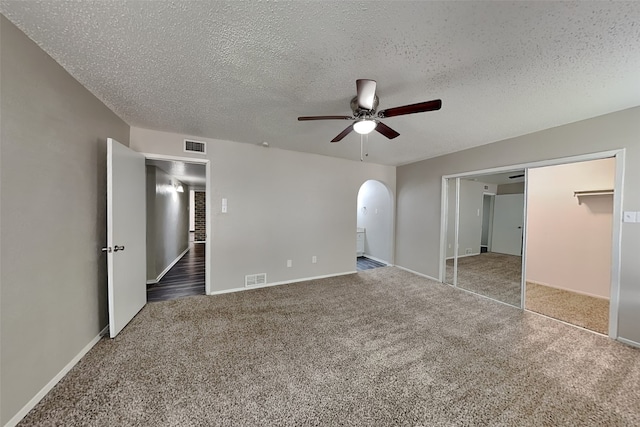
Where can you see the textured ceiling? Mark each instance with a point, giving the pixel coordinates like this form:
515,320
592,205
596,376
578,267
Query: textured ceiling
244,71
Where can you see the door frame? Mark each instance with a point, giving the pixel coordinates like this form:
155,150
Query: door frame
619,154
392,221
490,230
207,163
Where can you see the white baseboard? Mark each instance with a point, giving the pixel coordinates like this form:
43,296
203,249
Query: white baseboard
284,282
629,342
567,289
378,259
51,384
418,274
166,270
466,255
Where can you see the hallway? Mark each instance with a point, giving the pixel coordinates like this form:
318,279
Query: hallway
186,278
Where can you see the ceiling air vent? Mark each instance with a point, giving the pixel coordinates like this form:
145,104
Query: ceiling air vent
255,279
195,146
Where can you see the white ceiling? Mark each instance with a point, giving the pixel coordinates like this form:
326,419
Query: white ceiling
192,174
244,70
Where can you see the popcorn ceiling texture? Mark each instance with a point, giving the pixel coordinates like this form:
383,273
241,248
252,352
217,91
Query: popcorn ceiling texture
243,71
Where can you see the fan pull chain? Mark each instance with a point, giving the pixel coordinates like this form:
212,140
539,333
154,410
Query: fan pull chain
363,154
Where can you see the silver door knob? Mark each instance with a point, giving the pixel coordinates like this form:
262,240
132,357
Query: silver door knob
118,248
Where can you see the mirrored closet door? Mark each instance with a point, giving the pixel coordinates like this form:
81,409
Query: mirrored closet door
485,226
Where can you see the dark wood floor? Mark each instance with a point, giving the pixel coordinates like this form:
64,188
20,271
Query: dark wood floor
365,263
184,279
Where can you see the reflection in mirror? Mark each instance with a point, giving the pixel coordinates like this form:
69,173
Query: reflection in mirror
490,233
451,225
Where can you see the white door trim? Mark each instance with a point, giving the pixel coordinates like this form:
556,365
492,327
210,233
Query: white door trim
614,299
207,163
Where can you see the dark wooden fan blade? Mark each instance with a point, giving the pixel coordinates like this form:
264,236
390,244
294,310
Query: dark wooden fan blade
366,93
305,118
386,130
342,134
516,176
420,107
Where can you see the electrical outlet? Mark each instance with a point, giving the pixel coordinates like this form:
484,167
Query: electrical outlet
289,263
314,259
468,251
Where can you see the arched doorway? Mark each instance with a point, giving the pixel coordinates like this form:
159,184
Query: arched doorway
374,225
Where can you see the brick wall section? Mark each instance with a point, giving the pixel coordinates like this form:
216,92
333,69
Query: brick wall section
201,216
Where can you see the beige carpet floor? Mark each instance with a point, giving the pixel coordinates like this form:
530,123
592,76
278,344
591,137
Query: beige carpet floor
493,275
377,348
580,310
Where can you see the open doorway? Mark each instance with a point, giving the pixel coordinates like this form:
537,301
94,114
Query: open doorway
488,201
374,233
176,255
569,245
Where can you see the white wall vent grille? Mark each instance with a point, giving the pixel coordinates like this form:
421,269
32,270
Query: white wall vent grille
255,279
195,146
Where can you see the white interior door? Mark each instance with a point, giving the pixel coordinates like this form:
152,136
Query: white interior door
126,234
508,219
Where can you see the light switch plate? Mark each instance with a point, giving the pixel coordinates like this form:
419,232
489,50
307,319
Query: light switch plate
629,216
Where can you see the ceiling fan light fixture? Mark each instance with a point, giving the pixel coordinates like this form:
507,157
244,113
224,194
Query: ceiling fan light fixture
364,126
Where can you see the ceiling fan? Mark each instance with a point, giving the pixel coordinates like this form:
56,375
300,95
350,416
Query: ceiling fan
366,119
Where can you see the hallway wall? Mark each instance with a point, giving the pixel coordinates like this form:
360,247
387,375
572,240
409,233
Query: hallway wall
167,221
282,205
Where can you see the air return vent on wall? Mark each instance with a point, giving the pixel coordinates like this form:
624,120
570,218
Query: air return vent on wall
191,146
255,279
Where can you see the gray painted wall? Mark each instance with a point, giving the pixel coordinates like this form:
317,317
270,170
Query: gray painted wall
281,205
170,232
53,214
470,225
470,222
151,222
419,186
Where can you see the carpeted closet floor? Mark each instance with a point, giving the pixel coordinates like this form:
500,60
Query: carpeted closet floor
580,310
380,347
